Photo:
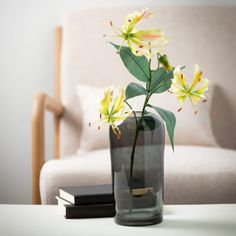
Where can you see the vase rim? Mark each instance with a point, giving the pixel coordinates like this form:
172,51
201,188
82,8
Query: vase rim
140,112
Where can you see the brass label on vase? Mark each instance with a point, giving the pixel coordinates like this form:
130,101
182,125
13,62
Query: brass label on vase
141,191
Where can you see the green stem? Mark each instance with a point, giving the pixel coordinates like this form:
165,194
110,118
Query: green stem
136,120
133,152
138,124
148,84
158,63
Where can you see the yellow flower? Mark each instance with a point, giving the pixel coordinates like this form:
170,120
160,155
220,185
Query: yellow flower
140,42
194,91
111,109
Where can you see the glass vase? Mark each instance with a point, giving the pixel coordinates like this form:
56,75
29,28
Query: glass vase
138,169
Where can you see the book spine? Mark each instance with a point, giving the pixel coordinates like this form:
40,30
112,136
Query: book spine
91,211
98,199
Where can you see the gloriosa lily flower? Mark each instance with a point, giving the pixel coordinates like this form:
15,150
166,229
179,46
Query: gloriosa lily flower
111,109
194,91
141,42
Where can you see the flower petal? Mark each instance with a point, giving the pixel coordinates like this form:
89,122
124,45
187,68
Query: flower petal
203,88
119,101
179,78
197,77
135,18
105,102
149,35
195,98
181,98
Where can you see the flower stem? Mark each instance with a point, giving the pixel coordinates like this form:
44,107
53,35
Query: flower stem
135,141
138,126
133,152
158,62
136,120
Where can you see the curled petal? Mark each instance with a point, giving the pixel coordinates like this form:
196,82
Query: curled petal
138,48
119,101
179,78
122,117
136,17
196,98
197,76
203,88
105,102
181,99
149,35
145,48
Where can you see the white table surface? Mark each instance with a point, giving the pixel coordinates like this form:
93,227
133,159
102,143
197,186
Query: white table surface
179,220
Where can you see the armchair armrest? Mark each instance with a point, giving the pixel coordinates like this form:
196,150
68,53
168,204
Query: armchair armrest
41,103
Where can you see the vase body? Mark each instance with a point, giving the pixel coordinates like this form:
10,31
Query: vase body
139,184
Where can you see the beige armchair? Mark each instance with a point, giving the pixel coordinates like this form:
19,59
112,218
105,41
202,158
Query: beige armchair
41,103
200,171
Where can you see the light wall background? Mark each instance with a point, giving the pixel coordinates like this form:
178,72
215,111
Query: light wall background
26,67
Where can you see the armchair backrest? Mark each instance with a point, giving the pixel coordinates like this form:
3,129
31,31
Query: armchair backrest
202,34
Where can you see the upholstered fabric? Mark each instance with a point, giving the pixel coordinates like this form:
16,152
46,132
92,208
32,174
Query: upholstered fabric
192,174
190,129
86,169
91,138
198,34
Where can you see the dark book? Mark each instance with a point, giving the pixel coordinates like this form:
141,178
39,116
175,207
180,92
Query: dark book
71,211
84,195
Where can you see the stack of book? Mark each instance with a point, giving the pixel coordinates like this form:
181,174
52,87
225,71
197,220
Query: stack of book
87,201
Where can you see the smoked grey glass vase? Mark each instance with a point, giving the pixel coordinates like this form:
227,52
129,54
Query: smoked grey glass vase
138,186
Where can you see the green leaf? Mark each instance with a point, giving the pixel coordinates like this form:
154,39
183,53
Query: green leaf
162,87
170,121
137,65
161,80
134,90
157,76
115,45
150,122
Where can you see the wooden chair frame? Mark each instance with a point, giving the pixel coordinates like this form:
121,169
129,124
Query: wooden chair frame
41,103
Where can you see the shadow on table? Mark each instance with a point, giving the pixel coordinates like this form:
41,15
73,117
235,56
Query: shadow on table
216,226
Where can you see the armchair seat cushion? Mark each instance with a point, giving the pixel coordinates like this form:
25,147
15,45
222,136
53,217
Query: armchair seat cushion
89,168
193,175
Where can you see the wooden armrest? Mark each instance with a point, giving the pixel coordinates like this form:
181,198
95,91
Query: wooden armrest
41,103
